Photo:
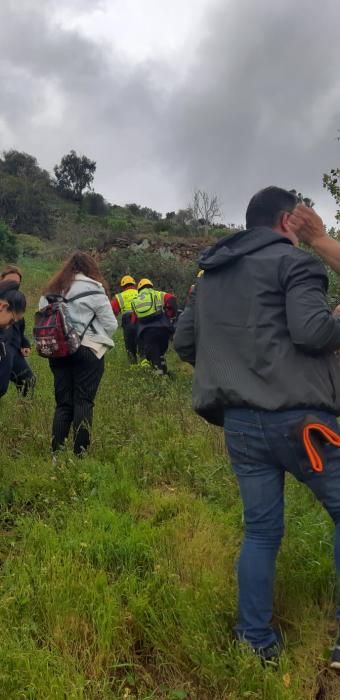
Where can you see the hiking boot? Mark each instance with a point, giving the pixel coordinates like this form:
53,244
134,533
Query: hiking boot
335,658
270,656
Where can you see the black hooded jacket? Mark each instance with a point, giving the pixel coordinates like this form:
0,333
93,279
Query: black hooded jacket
258,328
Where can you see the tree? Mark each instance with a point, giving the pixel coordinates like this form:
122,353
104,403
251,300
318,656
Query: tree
74,175
20,164
8,243
330,182
143,212
206,207
24,194
184,217
133,208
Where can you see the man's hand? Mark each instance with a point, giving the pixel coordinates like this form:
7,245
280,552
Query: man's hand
25,352
306,224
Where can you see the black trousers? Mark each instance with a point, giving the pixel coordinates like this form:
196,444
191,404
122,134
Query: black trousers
153,344
130,340
6,362
76,382
21,374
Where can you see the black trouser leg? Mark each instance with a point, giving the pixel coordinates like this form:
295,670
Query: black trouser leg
6,362
130,339
155,345
22,375
63,390
87,373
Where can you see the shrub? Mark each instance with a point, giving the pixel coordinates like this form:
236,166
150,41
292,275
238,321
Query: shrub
30,246
117,226
8,243
167,274
161,226
95,204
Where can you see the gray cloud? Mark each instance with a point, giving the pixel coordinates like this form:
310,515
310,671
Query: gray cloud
261,104
62,91
258,105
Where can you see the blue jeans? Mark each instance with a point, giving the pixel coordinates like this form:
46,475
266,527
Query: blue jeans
261,449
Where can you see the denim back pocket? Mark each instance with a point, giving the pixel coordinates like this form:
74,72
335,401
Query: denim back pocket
236,444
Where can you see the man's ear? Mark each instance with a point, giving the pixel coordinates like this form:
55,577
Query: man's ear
3,304
285,221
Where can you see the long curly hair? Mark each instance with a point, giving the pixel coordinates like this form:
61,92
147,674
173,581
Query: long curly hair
78,262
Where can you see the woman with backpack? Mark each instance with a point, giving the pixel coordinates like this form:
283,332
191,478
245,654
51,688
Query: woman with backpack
84,294
18,344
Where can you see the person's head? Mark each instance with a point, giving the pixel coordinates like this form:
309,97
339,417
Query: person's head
77,263
272,207
144,284
12,303
11,273
127,281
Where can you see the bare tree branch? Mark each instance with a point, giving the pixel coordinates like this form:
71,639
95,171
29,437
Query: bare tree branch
206,207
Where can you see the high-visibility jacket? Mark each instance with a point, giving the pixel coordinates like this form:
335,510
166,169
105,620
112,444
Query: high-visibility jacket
148,304
122,303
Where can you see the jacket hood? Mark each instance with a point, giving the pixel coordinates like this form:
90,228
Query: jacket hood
231,248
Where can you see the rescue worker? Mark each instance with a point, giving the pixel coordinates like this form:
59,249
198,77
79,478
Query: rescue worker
153,313
122,304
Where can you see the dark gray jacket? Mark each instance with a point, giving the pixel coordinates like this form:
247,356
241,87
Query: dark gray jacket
258,328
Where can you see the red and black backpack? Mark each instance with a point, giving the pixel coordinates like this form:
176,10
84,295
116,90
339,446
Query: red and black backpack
54,333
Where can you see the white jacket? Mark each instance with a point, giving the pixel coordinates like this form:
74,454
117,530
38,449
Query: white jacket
93,313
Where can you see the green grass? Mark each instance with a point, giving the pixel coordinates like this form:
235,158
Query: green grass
117,571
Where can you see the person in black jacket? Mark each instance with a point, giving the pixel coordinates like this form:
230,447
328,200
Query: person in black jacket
259,331
21,374
12,309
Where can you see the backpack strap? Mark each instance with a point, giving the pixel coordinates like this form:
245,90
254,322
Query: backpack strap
81,296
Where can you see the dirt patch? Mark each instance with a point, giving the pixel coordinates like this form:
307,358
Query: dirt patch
328,685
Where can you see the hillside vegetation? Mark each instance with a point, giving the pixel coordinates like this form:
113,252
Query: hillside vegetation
117,571
49,217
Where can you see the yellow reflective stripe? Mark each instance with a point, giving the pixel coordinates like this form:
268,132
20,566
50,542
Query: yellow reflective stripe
126,298
147,303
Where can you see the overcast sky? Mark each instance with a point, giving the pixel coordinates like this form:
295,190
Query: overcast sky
169,95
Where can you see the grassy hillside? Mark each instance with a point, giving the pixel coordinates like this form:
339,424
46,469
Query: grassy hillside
117,571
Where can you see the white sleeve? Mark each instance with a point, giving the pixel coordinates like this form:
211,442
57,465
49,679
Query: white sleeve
104,313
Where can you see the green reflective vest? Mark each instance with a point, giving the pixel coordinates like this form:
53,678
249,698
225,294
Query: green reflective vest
125,299
148,303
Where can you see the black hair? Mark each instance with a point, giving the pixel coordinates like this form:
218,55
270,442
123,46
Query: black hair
16,300
266,206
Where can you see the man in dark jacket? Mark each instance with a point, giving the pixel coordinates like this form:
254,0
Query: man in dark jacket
21,375
261,337
20,347
12,308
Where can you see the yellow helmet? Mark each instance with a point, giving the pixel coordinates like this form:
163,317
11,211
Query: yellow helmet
144,283
200,273
127,279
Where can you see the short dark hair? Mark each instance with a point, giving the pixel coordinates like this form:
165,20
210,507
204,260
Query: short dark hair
16,300
266,206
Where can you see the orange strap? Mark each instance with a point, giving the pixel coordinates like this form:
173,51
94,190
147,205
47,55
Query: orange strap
326,434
